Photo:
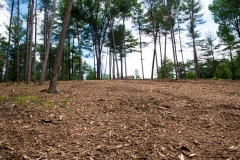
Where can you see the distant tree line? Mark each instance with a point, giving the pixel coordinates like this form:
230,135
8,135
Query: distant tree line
97,28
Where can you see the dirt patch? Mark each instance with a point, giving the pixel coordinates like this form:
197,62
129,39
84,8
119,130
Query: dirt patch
121,119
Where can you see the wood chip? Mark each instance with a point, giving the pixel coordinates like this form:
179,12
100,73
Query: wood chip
181,156
26,157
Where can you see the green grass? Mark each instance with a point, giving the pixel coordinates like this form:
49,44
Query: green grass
2,98
155,102
64,101
22,100
49,103
35,99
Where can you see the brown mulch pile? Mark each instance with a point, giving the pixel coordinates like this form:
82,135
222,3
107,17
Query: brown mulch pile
121,119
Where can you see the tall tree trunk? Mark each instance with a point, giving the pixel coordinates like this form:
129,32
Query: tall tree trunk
35,48
165,56
72,58
9,40
30,44
121,60
175,48
27,50
114,55
69,59
232,63
80,54
63,63
114,46
173,44
94,62
53,82
140,40
160,48
49,38
18,41
214,63
193,40
184,69
113,62
154,52
124,47
156,57
110,62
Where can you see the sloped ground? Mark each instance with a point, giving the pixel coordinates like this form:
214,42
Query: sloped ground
121,119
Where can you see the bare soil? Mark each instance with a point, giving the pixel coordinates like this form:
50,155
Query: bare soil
121,119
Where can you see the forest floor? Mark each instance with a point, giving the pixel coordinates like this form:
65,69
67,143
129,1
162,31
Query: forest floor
121,119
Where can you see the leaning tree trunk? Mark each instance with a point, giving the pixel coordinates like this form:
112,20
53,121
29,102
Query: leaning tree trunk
46,54
56,66
9,38
30,44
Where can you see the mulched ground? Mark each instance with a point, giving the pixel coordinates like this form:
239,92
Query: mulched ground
121,119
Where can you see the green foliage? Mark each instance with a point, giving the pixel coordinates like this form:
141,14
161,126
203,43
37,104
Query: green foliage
22,100
223,71
2,98
155,102
35,99
91,75
136,74
105,76
27,100
169,69
190,74
64,102
237,73
226,14
49,103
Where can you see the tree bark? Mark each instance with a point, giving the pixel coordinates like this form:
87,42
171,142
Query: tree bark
30,44
160,48
184,70
53,82
165,56
9,39
18,42
80,54
193,40
46,54
35,48
140,40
